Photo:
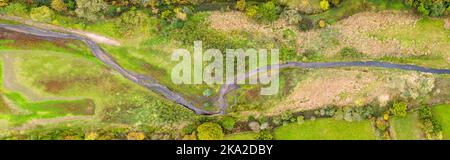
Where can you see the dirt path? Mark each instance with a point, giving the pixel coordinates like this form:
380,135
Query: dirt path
94,37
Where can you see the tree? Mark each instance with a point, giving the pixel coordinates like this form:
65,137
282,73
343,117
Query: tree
3,3
42,14
91,10
325,5
399,109
210,131
59,5
132,21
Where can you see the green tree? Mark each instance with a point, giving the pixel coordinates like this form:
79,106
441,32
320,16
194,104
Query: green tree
209,131
132,21
42,14
59,5
91,10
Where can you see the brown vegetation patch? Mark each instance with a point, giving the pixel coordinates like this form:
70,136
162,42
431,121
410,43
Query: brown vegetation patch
334,87
4,108
354,31
28,41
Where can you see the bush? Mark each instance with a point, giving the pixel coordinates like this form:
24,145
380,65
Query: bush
16,9
324,5
264,135
399,109
91,10
430,8
431,127
240,5
42,14
291,16
228,123
3,3
132,22
59,5
306,24
350,52
381,124
265,13
209,131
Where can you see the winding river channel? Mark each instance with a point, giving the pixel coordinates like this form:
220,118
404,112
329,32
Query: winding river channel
152,84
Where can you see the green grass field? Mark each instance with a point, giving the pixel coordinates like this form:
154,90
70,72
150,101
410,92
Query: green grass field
407,128
326,129
442,114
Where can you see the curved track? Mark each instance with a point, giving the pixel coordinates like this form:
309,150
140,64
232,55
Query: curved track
152,84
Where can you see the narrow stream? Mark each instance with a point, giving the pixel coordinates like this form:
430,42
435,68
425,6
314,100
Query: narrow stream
152,84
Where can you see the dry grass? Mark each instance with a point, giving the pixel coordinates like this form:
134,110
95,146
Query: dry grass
340,87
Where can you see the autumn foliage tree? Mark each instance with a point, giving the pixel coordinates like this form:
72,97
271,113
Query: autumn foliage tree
3,3
59,5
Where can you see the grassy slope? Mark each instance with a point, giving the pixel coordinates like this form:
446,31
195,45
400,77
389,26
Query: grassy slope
326,129
442,113
407,128
350,7
426,32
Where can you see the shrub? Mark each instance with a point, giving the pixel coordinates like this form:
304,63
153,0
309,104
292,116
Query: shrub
209,131
91,10
251,12
350,52
264,135
3,3
266,12
291,16
335,2
17,9
324,5
240,5
42,14
431,127
429,8
381,124
132,22
228,123
135,136
322,24
59,5
399,109
189,129
306,24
